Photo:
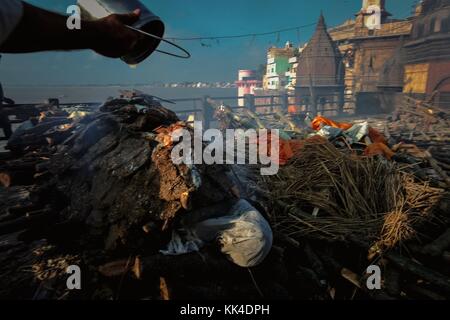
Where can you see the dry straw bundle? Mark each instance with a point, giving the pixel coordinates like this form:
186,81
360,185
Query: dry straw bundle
324,193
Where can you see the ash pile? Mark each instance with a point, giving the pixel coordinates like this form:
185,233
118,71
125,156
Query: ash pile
99,191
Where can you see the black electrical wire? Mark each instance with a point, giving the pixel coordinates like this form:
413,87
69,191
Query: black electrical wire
243,35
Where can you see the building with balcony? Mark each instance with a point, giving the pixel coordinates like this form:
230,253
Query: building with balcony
277,67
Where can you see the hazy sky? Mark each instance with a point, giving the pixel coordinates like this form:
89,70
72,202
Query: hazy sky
211,60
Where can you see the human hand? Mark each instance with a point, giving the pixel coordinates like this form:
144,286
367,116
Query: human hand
111,37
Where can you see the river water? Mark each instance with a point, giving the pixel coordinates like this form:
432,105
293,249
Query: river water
79,94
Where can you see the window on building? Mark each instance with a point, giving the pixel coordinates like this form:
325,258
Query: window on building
437,26
432,25
445,25
371,62
420,31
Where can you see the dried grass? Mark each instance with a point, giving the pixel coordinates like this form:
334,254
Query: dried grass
370,199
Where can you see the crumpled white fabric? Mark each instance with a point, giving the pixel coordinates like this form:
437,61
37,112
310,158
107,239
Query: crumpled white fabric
11,12
243,233
357,132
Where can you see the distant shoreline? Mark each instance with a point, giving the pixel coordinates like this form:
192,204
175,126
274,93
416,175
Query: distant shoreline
99,93
178,85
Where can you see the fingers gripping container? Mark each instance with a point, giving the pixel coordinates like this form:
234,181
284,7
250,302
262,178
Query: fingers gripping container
148,25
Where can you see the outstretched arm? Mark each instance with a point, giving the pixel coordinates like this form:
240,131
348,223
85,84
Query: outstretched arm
42,30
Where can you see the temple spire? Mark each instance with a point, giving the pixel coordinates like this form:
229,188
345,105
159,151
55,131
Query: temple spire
321,22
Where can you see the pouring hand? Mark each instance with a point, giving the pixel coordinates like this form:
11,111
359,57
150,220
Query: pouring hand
111,36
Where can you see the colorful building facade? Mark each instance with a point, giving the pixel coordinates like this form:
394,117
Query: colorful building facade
246,84
277,67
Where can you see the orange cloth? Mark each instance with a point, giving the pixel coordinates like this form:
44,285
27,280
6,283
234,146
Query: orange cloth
293,109
320,121
289,148
376,136
379,145
379,149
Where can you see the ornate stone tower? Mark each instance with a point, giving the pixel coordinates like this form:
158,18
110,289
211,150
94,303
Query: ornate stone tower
379,3
320,72
366,12
319,61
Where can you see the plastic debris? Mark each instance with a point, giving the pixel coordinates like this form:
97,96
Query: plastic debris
243,233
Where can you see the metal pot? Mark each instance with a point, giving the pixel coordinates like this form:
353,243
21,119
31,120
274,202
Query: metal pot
148,23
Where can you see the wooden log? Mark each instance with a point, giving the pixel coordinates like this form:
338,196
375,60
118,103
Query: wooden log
444,166
315,263
437,247
438,169
23,209
354,278
34,136
441,159
36,217
419,270
165,292
192,265
21,164
16,178
42,166
309,275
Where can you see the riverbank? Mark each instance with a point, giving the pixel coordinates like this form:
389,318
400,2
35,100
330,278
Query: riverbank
79,94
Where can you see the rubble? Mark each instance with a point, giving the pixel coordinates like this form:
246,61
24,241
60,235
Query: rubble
354,194
99,190
108,191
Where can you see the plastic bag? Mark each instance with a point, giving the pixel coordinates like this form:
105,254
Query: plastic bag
244,235
357,132
329,132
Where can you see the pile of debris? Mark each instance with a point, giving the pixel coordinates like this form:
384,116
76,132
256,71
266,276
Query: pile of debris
354,212
422,130
349,198
101,191
357,194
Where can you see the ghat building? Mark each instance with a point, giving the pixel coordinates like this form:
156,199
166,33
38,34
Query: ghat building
367,47
320,71
426,54
278,66
371,60
410,56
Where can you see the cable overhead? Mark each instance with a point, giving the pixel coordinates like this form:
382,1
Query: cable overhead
243,35
254,35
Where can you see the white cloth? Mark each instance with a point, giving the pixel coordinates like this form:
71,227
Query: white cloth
10,14
244,235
